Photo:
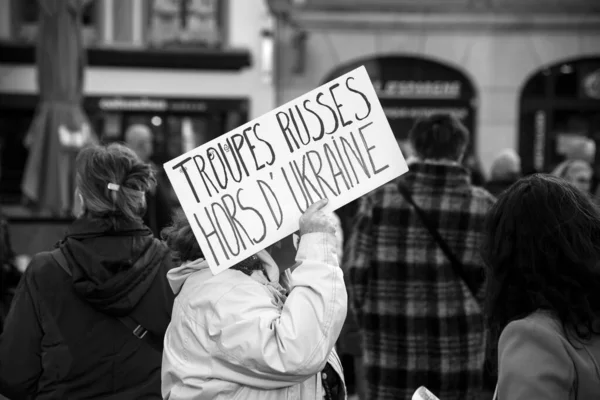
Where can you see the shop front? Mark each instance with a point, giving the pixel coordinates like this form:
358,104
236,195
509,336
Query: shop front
413,87
559,106
178,125
490,47
188,70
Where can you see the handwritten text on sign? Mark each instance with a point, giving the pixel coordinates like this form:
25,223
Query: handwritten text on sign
247,189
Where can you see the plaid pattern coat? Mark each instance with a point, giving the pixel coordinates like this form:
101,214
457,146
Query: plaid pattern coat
420,323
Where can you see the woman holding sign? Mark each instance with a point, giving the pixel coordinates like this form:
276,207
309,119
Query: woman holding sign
253,331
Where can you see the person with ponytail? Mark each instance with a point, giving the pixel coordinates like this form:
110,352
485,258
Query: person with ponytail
88,318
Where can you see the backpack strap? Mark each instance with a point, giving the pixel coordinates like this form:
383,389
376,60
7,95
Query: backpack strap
131,324
457,266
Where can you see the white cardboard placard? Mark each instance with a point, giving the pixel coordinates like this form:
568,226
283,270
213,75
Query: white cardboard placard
247,189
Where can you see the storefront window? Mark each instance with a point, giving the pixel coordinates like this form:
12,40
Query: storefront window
570,113
13,155
566,79
178,125
538,85
410,88
187,22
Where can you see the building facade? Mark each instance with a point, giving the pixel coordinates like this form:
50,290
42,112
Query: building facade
189,69
521,74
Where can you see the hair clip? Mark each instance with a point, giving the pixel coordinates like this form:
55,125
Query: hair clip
114,187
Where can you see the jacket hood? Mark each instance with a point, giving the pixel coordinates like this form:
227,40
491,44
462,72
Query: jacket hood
178,276
112,266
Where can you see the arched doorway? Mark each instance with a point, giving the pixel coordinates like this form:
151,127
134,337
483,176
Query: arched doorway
411,87
559,105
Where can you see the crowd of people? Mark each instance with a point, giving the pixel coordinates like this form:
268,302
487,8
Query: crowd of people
476,290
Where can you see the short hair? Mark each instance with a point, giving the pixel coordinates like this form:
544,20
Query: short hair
180,239
565,168
542,249
133,132
506,165
583,149
98,166
439,136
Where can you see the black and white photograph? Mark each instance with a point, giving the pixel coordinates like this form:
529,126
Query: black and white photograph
300,199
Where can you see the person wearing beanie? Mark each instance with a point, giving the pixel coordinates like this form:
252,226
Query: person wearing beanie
506,170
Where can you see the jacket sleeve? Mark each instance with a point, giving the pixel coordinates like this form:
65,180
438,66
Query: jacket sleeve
533,363
20,345
357,256
271,347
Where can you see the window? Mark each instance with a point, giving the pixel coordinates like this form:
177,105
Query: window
566,81
25,19
187,22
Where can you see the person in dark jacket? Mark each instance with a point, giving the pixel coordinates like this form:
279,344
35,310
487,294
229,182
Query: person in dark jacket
473,165
64,337
160,200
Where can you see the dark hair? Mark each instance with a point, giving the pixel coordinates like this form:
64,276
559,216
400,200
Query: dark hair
439,136
184,247
99,166
542,249
181,240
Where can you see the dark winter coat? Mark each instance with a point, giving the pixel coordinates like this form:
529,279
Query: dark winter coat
9,274
62,339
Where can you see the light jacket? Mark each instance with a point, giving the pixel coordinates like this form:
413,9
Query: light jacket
234,336
537,361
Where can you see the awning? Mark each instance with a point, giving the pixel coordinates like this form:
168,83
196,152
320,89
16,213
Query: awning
60,128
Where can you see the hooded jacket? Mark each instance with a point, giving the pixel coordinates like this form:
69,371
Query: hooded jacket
235,336
62,339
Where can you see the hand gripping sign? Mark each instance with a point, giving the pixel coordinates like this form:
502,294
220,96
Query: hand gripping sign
247,189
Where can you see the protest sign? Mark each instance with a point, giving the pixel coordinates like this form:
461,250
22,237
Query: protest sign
247,189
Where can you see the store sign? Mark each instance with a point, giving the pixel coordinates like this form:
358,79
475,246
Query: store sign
392,112
591,85
413,87
418,89
539,146
142,104
135,104
247,189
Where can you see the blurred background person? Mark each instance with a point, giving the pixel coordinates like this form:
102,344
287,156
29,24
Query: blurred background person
89,317
542,297
577,172
159,202
418,311
9,273
583,149
505,170
473,164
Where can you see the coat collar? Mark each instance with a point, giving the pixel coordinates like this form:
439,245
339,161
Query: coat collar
439,174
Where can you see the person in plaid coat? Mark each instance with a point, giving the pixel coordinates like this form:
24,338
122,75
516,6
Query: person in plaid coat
421,324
